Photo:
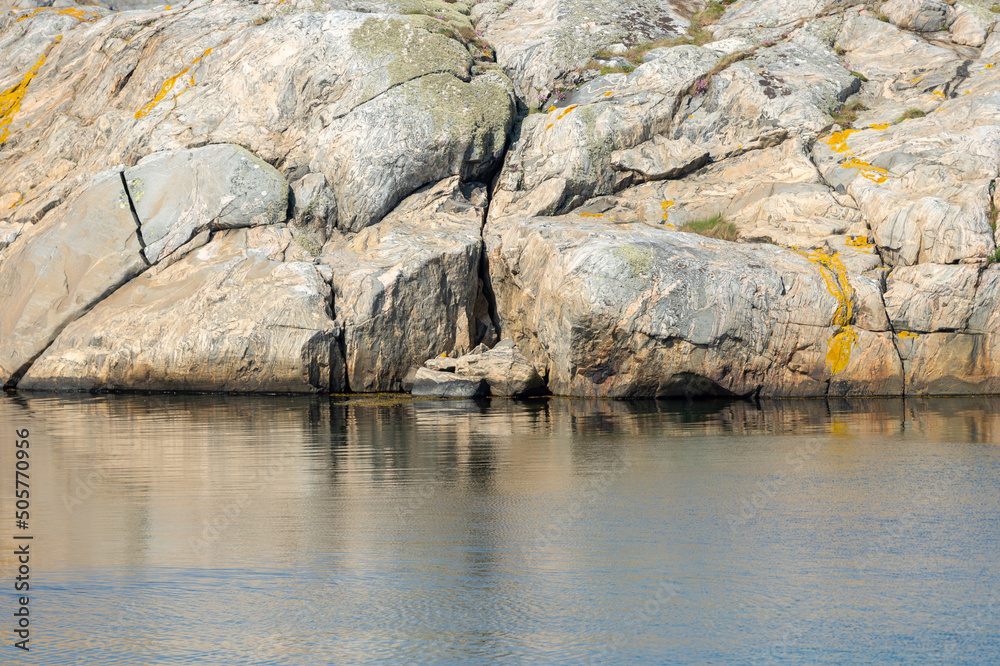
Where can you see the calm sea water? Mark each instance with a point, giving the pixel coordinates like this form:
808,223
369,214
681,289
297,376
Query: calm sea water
275,530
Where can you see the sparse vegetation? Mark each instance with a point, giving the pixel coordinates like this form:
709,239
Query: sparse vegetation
910,115
840,51
715,226
995,9
848,113
883,17
995,257
859,75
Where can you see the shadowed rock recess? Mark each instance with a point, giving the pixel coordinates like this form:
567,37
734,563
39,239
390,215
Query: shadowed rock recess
582,197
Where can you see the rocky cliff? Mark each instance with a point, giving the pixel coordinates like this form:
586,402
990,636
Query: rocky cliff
654,198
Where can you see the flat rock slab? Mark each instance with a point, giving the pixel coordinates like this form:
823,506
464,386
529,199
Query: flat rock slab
434,384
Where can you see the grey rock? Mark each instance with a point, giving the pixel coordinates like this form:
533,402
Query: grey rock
611,311
178,194
434,384
407,287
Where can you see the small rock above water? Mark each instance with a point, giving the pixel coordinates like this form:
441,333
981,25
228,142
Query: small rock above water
506,371
434,384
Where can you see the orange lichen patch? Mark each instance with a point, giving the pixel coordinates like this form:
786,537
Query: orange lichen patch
609,93
568,109
990,65
939,94
907,335
549,127
880,126
858,241
917,79
874,174
838,140
87,16
168,85
10,99
665,205
835,275
592,215
551,109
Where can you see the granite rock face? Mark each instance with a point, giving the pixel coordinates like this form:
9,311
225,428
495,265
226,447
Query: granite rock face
302,196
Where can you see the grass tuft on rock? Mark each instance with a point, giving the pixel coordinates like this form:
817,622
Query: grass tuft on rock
911,114
715,226
848,113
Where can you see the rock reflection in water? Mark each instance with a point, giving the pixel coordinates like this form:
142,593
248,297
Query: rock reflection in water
311,529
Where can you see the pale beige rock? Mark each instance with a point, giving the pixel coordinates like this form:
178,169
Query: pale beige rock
967,29
660,158
55,272
919,15
224,318
505,370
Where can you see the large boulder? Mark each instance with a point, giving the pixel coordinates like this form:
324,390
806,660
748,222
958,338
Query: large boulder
541,43
919,15
60,269
625,311
228,316
407,288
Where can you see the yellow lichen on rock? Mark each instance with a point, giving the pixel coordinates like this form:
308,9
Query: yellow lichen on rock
880,126
665,205
87,16
568,109
857,241
835,274
10,99
168,85
907,335
838,140
872,173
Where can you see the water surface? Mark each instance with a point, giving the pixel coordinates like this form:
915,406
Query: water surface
278,530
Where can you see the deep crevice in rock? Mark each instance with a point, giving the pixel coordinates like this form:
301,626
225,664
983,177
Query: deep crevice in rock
135,218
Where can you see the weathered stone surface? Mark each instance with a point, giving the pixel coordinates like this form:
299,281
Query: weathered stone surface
619,312
967,28
434,384
929,298
540,42
379,104
919,15
406,288
226,317
786,88
565,155
180,193
506,371
864,246
660,158
59,269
